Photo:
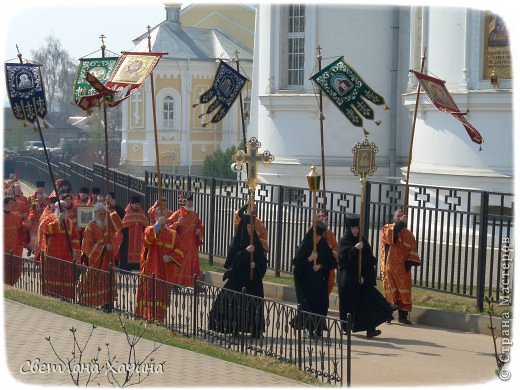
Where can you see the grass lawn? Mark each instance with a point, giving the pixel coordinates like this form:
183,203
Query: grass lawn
161,334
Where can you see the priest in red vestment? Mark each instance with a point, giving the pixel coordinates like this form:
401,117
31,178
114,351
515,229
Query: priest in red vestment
38,202
97,248
14,235
58,278
190,234
162,257
135,221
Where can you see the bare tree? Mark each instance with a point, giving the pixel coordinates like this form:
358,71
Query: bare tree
59,70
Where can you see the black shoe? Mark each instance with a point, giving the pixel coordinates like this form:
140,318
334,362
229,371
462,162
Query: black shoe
394,307
373,333
389,320
403,318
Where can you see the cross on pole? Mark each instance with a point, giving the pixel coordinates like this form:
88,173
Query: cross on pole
251,158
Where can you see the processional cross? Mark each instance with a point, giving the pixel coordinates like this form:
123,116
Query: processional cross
251,158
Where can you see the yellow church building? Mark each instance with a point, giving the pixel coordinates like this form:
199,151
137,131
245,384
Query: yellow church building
194,38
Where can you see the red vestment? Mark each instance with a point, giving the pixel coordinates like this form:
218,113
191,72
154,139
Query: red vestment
397,281
14,235
95,283
189,241
151,213
58,269
333,244
37,209
155,246
135,221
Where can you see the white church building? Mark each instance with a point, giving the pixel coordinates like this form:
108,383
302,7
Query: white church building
462,46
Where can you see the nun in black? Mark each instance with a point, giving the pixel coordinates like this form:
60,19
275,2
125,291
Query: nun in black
311,281
224,315
357,294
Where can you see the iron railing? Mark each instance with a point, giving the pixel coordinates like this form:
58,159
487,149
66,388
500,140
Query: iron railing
230,319
460,232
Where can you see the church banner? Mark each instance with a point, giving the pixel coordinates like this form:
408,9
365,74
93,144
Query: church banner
443,101
348,91
26,91
226,87
100,68
129,74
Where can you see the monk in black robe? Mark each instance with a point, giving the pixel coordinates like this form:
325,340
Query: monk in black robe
224,315
311,281
357,295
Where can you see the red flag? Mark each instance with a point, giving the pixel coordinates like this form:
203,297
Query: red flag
442,100
130,72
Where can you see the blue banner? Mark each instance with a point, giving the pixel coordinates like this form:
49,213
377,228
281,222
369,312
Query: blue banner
25,90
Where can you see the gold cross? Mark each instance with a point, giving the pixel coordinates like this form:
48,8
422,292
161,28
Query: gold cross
252,158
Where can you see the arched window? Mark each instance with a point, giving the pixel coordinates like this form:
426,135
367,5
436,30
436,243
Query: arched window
168,112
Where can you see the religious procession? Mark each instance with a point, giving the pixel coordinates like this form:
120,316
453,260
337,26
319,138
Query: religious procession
324,222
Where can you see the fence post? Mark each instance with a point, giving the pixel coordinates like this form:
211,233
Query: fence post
195,303
349,350
42,273
482,249
11,272
212,211
73,280
146,190
111,287
242,319
154,296
299,329
279,227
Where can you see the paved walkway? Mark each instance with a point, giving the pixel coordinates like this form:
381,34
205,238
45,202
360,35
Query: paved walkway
27,327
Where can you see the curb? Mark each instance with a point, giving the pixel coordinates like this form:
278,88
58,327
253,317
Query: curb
463,322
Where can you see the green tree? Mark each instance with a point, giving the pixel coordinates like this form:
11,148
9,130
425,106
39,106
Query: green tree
59,71
219,163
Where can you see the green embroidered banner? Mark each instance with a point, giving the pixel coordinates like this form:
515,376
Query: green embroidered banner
348,91
101,68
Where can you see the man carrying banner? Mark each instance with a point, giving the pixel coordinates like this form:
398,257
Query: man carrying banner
190,233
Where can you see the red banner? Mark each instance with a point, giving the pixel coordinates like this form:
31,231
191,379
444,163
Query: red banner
442,100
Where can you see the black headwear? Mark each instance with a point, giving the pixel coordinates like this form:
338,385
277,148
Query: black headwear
96,191
135,199
112,195
83,190
40,184
351,220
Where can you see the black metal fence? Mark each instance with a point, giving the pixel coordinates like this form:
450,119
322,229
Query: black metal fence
232,320
460,232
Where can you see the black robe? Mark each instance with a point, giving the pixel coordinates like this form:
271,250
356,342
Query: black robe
224,315
365,303
312,286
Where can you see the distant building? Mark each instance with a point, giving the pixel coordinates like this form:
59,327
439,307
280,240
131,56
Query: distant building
181,76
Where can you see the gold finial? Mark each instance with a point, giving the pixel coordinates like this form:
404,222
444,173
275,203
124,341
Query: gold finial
149,38
386,108
313,179
365,132
319,52
494,79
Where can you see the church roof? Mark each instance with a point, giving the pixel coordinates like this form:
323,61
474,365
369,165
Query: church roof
189,42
